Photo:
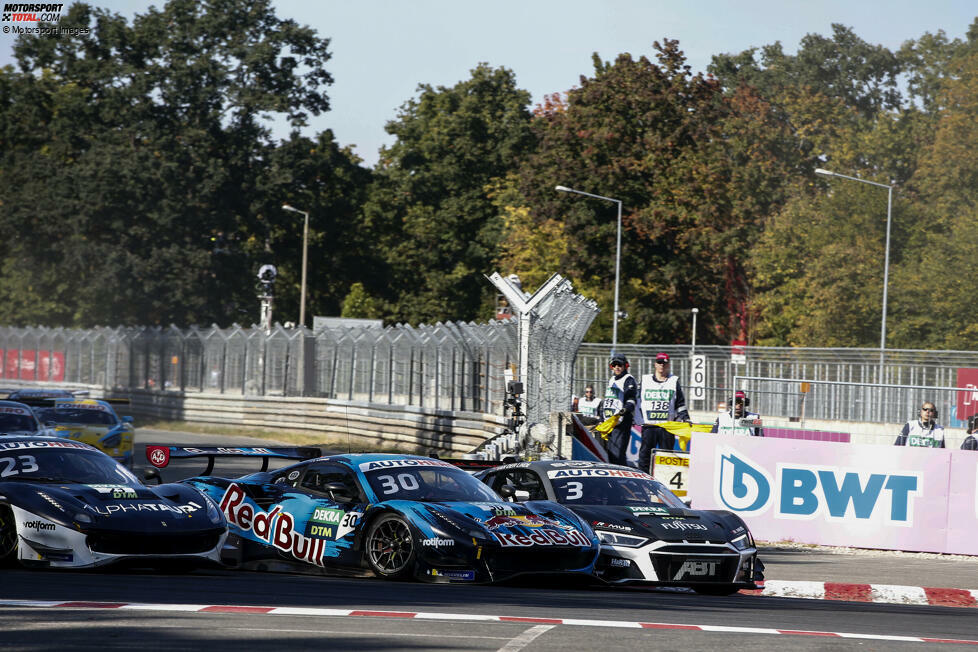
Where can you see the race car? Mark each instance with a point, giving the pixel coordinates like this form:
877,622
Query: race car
91,421
65,504
647,533
400,516
18,419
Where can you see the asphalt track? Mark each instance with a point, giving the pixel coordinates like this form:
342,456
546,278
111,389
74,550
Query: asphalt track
223,610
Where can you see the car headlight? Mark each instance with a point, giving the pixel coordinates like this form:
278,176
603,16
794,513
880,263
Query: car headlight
82,517
618,539
741,542
213,513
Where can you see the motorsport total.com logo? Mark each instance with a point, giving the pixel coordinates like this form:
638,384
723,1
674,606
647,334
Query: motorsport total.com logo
807,492
31,12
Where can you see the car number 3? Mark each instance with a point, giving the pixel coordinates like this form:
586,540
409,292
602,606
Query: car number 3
574,490
406,481
27,465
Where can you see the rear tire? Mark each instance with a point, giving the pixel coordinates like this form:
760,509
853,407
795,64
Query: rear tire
8,536
391,548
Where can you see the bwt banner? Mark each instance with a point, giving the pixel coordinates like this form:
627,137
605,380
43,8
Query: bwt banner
28,364
837,494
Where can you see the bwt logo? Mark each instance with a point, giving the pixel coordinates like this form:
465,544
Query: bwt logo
806,492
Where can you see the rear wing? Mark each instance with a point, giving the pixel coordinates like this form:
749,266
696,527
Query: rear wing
473,466
160,456
51,401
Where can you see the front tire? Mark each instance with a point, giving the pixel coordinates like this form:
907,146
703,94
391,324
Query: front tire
8,536
391,548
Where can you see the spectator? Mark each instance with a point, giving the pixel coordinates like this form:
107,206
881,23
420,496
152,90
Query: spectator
923,431
970,442
740,421
662,400
590,405
620,399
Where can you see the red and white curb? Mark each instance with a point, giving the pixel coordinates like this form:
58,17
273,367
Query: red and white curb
422,615
884,593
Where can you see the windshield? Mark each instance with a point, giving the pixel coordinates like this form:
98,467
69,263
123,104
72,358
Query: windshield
432,483
88,416
60,462
637,491
11,422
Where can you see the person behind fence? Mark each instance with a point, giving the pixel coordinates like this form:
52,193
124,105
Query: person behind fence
662,400
620,398
738,421
589,405
922,431
970,442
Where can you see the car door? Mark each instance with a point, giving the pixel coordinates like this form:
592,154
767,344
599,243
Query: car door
330,511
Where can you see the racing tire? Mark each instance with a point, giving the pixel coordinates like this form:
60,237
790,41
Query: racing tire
391,548
716,589
8,536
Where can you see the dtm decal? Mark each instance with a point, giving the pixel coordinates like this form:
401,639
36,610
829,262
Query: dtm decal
332,523
806,492
276,527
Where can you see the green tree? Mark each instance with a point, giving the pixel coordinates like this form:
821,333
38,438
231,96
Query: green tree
127,150
429,207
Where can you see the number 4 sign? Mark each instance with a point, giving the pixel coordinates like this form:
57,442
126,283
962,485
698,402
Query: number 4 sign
670,468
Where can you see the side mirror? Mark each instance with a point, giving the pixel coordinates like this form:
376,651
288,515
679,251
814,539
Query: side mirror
126,419
507,491
152,474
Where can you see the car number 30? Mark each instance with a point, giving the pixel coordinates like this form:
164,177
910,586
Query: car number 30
8,465
404,481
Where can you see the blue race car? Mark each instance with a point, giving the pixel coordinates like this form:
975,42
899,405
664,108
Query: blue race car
401,516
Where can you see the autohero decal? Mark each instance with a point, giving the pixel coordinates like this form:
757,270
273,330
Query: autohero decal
402,463
597,473
14,445
275,527
806,492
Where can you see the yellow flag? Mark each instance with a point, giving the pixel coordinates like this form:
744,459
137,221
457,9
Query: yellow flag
683,430
606,426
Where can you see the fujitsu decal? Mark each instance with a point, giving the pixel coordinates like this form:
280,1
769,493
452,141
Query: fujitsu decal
276,527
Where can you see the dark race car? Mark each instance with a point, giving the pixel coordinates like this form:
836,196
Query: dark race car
64,504
401,516
18,419
647,533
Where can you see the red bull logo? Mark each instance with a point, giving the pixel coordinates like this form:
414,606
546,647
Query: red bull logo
544,531
526,520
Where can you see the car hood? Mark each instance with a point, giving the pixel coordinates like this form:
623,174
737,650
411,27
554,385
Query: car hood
111,506
657,522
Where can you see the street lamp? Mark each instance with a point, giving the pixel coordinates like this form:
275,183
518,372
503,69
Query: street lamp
305,251
886,263
614,327
693,347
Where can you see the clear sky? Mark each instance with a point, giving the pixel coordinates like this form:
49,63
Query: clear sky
382,49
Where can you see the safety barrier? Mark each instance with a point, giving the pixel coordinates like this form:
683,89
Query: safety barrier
859,495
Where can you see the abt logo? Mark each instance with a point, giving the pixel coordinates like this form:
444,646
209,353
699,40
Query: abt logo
693,568
807,492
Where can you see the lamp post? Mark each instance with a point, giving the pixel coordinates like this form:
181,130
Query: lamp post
305,252
693,347
886,259
614,327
